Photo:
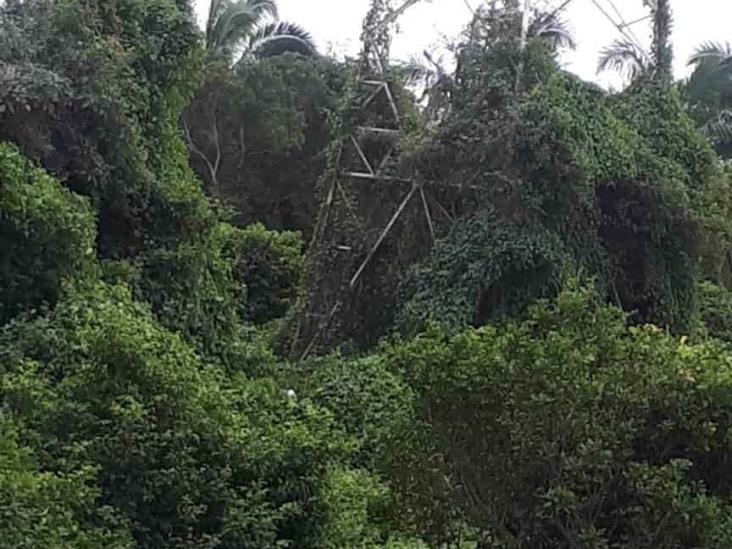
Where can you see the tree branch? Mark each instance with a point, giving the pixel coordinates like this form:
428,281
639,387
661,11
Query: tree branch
213,168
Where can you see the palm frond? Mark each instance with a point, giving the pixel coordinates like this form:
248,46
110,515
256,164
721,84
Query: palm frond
423,73
719,130
711,80
708,82
232,21
554,30
624,57
709,51
278,38
415,71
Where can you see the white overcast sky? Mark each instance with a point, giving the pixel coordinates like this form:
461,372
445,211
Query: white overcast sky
336,25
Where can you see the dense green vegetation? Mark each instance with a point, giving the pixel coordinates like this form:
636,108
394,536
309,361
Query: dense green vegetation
550,365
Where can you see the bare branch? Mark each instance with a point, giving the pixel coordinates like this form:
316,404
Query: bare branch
212,168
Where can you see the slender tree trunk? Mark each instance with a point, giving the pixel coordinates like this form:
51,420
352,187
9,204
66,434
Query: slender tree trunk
662,49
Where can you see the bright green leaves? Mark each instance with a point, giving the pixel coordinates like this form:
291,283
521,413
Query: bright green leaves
47,235
42,509
569,426
184,453
356,505
714,304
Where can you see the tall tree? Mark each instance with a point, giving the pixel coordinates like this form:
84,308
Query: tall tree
661,47
436,83
248,28
709,94
627,57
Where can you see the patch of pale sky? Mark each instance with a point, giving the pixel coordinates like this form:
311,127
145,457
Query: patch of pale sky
336,27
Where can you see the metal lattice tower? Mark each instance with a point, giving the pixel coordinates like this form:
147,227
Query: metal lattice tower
363,201
369,211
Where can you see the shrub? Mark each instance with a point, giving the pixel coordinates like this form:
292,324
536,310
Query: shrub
269,265
47,234
570,429
371,403
192,290
350,498
189,457
565,176
356,508
485,268
715,310
41,509
114,78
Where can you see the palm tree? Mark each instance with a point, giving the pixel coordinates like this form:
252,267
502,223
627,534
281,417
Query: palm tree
245,28
627,57
248,29
552,29
709,93
436,83
278,38
719,53
662,51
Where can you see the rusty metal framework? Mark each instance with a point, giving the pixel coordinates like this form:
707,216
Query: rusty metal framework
370,210
351,231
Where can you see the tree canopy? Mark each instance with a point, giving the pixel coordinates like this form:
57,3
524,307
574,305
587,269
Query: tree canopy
535,350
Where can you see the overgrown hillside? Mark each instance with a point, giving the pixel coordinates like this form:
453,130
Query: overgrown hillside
545,362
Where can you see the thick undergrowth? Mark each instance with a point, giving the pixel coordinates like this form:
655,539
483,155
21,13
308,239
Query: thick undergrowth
545,364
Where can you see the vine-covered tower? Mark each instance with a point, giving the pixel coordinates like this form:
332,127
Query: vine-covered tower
364,202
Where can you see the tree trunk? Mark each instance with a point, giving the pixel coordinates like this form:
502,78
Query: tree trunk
663,56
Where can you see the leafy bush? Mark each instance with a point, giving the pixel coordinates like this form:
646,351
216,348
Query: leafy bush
110,131
356,507
138,405
482,270
41,509
371,403
269,265
570,429
715,310
629,183
350,498
47,234
566,176
192,289
120,74
189,457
